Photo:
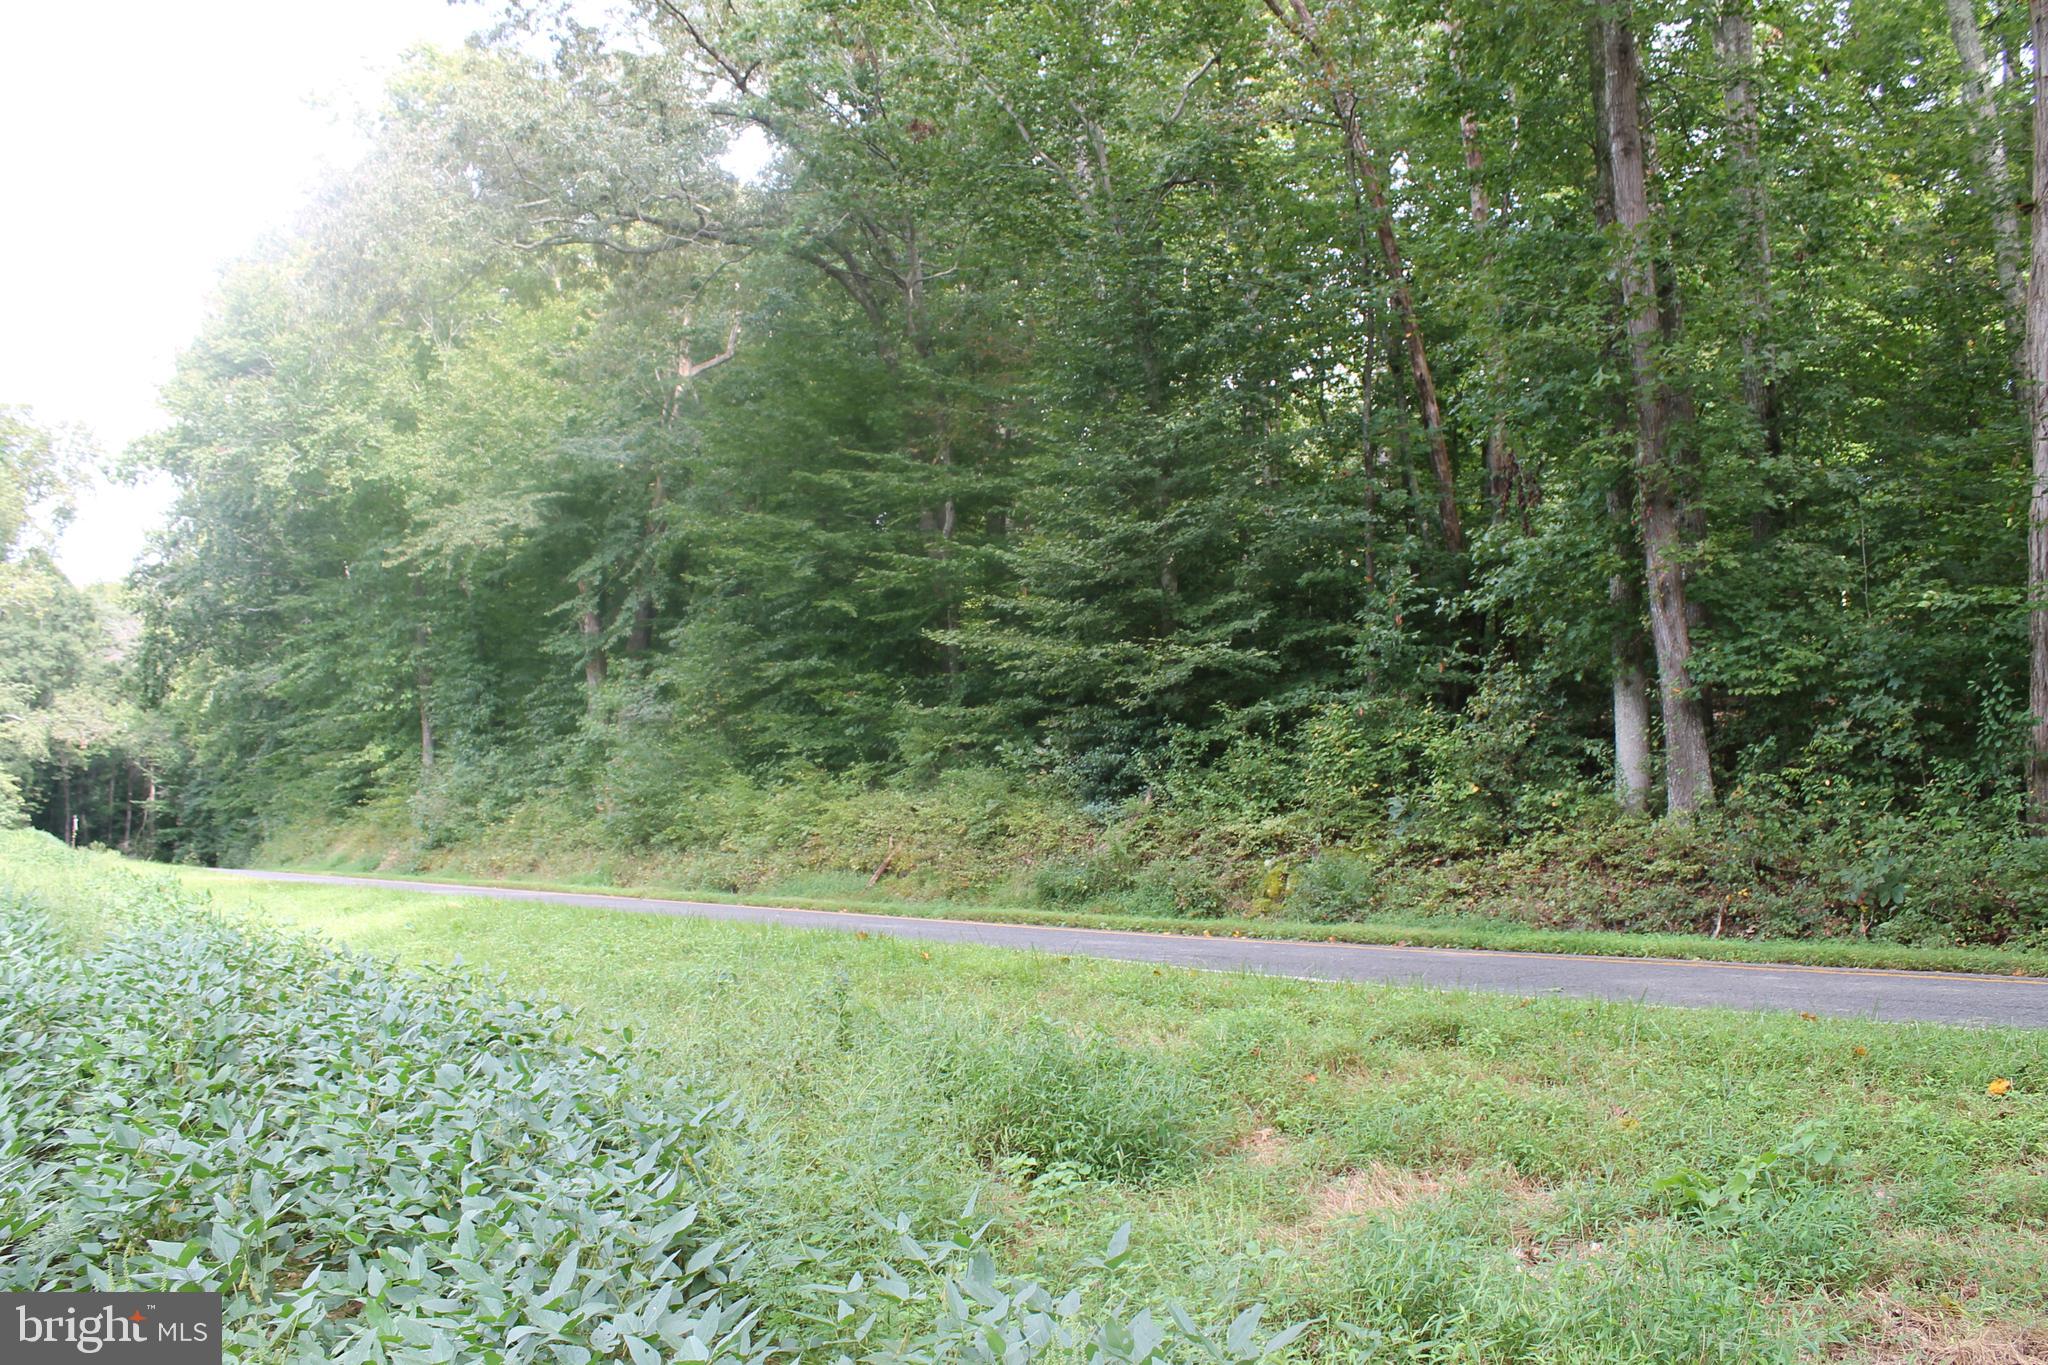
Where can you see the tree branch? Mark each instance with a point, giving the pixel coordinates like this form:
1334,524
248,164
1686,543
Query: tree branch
1188,88
730,68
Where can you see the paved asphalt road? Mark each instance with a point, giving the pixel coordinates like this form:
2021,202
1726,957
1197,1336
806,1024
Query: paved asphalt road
1935,997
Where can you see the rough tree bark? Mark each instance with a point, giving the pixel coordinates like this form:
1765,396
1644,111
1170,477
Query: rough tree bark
1631,682
1294,16
1367,380
1989,151
1369,467
1503,471
1631,679
2037,396
1688,780
939,523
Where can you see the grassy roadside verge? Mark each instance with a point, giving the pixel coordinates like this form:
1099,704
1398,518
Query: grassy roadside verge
1415,1175
1421,1176
1433,934
417,1162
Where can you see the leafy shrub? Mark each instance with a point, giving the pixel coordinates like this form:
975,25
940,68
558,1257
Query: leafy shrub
991,1319
1789,1228
1041,1093
1504,767
13,810
1178,888
367,1163
1499,767
1819,1236
1372,809
1363,758
1757,1182
1336,886
1075,882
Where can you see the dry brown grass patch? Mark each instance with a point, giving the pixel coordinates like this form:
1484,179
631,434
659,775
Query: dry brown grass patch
1265,1147
1371,1189
1377,1188
1904,1333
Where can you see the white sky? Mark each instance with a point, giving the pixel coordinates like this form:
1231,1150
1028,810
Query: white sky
143,145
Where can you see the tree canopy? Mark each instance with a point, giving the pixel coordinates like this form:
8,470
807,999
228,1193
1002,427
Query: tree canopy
1142,395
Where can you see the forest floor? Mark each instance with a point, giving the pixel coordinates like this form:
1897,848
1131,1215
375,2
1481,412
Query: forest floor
1420,931
1532,1179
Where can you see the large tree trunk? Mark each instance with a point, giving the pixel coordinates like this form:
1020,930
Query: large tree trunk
1688,781
1631,685
1735,47
2037,395
1295,17
1367,384
1402,446
641,634
1368,454
1989,151
1631,726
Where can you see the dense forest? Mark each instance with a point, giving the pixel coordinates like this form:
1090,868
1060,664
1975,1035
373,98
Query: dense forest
1567,459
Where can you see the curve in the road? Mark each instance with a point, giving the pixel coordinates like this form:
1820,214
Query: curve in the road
1932,997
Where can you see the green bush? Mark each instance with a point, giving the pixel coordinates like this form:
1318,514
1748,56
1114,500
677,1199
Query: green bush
1363,759
13,810
1176,888
1336,886
1076,882
367,1163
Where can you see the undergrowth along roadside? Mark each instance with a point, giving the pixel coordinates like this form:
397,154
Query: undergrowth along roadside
1855,878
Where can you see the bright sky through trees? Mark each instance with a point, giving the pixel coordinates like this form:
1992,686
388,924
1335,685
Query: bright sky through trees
148,145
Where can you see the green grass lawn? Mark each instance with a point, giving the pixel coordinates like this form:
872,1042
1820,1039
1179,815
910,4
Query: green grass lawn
1432,932
1424,1175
